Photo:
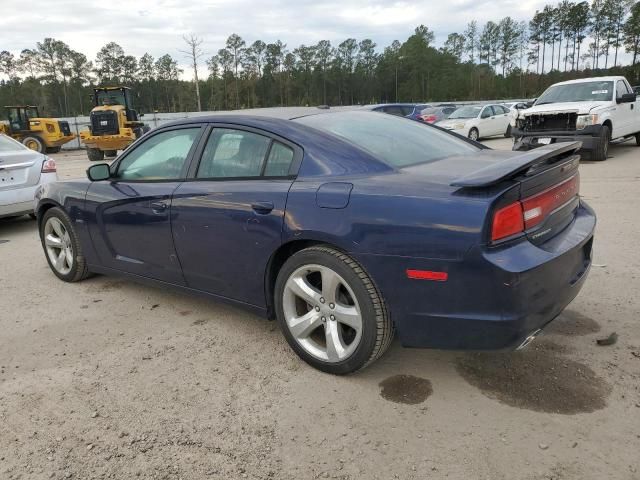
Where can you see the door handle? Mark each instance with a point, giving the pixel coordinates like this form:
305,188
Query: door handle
158,207
262,207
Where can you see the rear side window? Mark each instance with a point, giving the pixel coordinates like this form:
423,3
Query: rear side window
279,161
394,141
233,153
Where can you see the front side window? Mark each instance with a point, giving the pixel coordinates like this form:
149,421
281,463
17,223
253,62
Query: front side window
160,157
621,89
233,153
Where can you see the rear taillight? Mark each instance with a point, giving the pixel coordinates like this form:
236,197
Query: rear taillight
49,165
427,118
536,208
507,221
527,213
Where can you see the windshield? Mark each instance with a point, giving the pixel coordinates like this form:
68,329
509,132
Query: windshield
398,142
110,97
466,112
577,92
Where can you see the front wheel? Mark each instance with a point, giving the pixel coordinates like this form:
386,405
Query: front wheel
62,246
474,134
330,312
95,154
601,148
34,143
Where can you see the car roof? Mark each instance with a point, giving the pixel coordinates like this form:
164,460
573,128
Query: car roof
611,78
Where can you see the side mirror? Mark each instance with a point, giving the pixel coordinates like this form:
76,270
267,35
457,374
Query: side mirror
99,172
626,98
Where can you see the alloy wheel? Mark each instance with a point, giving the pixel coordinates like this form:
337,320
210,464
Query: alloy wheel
58,245
322,313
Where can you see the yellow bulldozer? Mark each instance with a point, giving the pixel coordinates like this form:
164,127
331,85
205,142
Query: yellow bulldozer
114,124
35,132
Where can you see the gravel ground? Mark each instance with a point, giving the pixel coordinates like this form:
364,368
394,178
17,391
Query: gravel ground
110,379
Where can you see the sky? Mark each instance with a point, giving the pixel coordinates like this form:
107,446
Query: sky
157,26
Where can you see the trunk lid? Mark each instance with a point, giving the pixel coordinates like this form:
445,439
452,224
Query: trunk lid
19,169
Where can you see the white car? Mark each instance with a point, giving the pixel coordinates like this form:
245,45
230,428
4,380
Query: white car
479,121
22,171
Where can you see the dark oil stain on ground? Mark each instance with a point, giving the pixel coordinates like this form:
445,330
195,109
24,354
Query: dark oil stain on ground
201,321
4,241
405,389
572,323
537,378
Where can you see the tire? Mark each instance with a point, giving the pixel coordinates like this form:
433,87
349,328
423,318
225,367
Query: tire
601,148
110,153
507,134
474,134
638,139
356,299
95,154
53,149
34,143
73,266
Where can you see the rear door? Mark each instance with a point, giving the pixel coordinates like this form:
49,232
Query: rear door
227,219
129,215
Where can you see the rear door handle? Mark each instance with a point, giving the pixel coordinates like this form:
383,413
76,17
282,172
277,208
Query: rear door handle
262,207
158,207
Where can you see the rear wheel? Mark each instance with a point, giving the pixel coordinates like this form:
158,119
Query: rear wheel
110,153
474,134
34,143
62,246
95,154
330,312
601,148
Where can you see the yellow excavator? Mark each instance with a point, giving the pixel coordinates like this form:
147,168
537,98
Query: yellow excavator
114,124
35,132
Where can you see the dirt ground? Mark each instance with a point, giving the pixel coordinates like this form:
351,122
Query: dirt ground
110,379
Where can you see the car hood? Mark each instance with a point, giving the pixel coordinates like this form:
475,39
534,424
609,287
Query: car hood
581,108
450,122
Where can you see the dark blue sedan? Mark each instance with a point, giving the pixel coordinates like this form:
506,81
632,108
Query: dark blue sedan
345,227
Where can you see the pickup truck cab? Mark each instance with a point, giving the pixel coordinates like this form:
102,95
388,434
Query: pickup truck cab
594,111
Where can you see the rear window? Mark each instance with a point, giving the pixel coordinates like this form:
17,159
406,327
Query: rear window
10,145
396,141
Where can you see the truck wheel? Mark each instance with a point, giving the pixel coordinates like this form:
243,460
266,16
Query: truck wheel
95,154
34,143
53,149
110,153
602,145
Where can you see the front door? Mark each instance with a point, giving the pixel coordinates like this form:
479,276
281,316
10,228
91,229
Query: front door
227,221
129,215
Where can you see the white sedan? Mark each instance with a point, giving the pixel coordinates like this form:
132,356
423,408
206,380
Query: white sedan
479,121
22,171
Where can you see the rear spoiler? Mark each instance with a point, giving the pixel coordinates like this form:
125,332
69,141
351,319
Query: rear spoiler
511,167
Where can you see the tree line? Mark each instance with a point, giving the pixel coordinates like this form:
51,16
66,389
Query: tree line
503,59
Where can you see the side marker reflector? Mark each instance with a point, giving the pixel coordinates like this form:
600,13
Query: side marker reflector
427,275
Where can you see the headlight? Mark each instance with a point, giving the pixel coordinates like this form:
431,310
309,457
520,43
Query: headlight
586,120
458,126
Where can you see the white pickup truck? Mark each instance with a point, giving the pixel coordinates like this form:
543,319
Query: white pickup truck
594,111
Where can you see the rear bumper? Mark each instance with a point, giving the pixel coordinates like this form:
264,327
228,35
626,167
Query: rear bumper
589,137
20,201
493,299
